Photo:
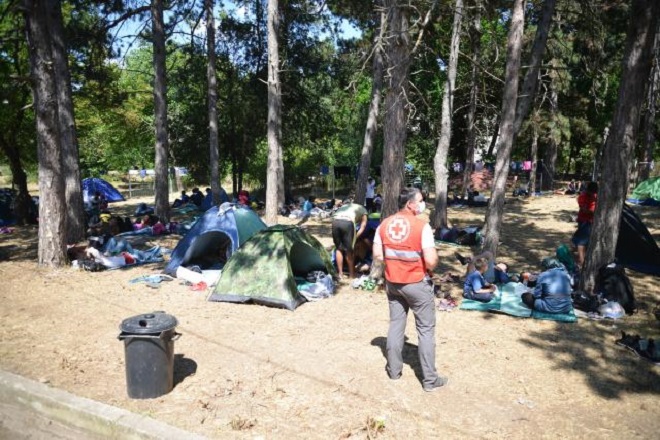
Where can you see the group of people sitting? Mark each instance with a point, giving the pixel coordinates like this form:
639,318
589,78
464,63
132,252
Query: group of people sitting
205,201
550,290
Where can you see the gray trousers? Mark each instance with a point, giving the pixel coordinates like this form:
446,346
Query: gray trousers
418,297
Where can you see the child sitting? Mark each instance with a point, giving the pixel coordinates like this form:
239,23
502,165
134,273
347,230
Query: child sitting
476,287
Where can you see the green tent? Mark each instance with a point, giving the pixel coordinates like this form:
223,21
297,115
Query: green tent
648,189
262,270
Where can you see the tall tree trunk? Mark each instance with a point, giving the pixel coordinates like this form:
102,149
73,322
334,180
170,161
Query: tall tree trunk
620,143
212,101
649,122
75,212
475,40
274,115
160,110
495,209
550,160
19,179
52,216
396,114
495,137
372,119
441,172
534,156
528,91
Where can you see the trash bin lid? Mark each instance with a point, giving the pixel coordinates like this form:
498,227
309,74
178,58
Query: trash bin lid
154,322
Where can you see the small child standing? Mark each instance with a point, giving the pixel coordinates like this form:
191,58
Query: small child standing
476,287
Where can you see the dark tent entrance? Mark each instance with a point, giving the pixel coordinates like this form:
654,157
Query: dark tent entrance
636,249
209,250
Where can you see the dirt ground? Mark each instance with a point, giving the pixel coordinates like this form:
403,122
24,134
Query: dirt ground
247,371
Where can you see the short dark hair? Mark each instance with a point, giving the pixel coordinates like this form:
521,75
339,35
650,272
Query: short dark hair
406,195
592,187
480,263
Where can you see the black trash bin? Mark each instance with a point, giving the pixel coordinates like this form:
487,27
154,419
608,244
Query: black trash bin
149,350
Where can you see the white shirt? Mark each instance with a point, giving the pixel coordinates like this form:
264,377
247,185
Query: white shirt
371,190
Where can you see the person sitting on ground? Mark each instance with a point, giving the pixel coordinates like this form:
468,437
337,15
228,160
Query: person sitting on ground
196,197
243,198
182,200
476,288
142,223
571,189
308,205
552,293
587,203
207,203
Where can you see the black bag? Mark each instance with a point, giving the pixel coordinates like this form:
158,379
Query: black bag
92,266
614,284
585,302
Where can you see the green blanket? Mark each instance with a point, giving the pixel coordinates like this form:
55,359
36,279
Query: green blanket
507,300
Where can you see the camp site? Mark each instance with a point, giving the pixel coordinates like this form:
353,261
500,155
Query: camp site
329,219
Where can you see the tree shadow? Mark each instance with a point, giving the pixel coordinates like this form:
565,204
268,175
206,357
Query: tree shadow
610,371
410,354
183,367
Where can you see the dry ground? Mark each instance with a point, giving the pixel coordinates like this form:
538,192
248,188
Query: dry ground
246,371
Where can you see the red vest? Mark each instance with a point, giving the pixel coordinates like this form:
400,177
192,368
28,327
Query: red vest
401,235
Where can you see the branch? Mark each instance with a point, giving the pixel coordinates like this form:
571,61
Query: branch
480,67
425,23
126,15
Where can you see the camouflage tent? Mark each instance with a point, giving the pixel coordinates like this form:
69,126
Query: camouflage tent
262,271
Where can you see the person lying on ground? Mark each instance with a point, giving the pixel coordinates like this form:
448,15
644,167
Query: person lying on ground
476,288
497,273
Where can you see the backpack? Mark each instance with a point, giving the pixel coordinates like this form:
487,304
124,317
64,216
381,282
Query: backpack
614,284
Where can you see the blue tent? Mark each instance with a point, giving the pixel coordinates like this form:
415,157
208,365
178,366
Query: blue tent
220,229
93,184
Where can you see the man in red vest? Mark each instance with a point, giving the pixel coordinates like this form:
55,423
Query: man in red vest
405,243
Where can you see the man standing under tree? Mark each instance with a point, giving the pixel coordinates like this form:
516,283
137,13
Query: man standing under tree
405,243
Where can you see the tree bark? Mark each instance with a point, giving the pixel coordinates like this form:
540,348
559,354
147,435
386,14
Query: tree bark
649,121
19,179
495,137
396,114
495,209
534,156
212,92
551,151
372,118
75,212
441,172
475,39
274,115
160,111
526,96
52,216
617,153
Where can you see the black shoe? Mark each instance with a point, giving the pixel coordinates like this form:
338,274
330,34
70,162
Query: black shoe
439,382
461,258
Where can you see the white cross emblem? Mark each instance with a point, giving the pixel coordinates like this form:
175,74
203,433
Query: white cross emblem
398,229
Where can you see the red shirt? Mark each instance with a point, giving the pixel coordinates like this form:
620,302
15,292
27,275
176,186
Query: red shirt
587,203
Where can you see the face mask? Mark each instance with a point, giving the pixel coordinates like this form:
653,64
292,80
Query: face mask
421,207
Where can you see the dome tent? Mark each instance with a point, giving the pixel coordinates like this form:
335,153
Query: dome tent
225,227
262,271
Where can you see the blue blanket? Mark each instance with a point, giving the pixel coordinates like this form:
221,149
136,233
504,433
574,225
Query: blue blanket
508,300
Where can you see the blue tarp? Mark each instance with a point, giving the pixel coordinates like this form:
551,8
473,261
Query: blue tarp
93,184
